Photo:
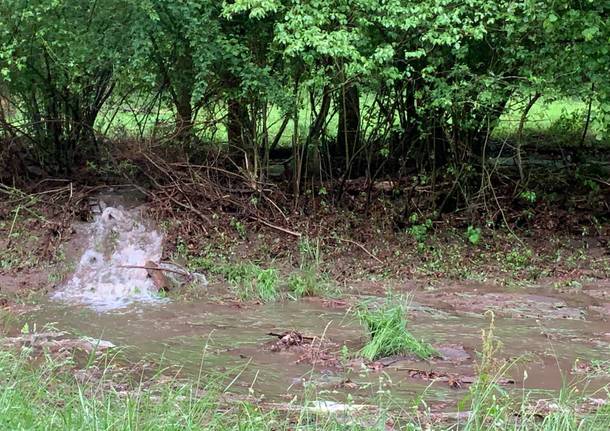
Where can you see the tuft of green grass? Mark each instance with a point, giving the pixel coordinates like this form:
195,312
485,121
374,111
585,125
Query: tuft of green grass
253,282
304,283
308,282
388,333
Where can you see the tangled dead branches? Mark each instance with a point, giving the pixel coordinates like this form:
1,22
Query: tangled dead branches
187,191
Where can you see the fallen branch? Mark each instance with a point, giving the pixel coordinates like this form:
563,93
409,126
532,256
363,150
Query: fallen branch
362,248
280,336
152,268
272,226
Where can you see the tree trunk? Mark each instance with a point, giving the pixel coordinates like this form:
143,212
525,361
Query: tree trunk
182,94
237,127
184,119
348,133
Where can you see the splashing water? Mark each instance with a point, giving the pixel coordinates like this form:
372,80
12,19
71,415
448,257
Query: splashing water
105,278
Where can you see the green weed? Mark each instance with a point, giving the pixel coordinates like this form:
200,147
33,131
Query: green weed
419,231
239,227
518,259
473,234
388,333
529,196
252,282
310,252
308,282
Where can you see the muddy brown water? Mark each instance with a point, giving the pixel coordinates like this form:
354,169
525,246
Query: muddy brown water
548,334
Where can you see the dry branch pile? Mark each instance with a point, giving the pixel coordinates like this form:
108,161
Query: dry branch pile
195,194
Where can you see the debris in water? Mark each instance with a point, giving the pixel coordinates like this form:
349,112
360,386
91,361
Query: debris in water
56,342
312,350
287,340
156,274
454,381
452,353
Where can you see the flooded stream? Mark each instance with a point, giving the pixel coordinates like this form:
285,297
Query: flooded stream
112,298
202,337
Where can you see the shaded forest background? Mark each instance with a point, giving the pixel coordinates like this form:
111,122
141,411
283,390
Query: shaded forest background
473,103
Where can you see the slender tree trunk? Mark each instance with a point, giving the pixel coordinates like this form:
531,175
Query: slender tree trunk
184,118
182,94
5,108
588,119
237,127
348,133
524,115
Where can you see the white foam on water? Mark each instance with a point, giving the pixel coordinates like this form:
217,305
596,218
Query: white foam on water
103,280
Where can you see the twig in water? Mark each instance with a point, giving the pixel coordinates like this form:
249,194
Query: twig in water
152,268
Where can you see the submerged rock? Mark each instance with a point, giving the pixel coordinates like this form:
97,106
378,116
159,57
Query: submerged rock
453,353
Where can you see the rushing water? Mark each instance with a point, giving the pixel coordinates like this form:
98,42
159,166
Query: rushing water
107,276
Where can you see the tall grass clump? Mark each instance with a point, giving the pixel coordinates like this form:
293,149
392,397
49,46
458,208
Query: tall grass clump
388,333
309,280
252,282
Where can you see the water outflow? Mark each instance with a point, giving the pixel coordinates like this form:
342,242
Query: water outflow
105,278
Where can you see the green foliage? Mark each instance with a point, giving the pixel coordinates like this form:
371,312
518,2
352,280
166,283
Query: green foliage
387,329
310,252
473,234
529,196
239,227
308,282
419,231
437,74
59,64
518,259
